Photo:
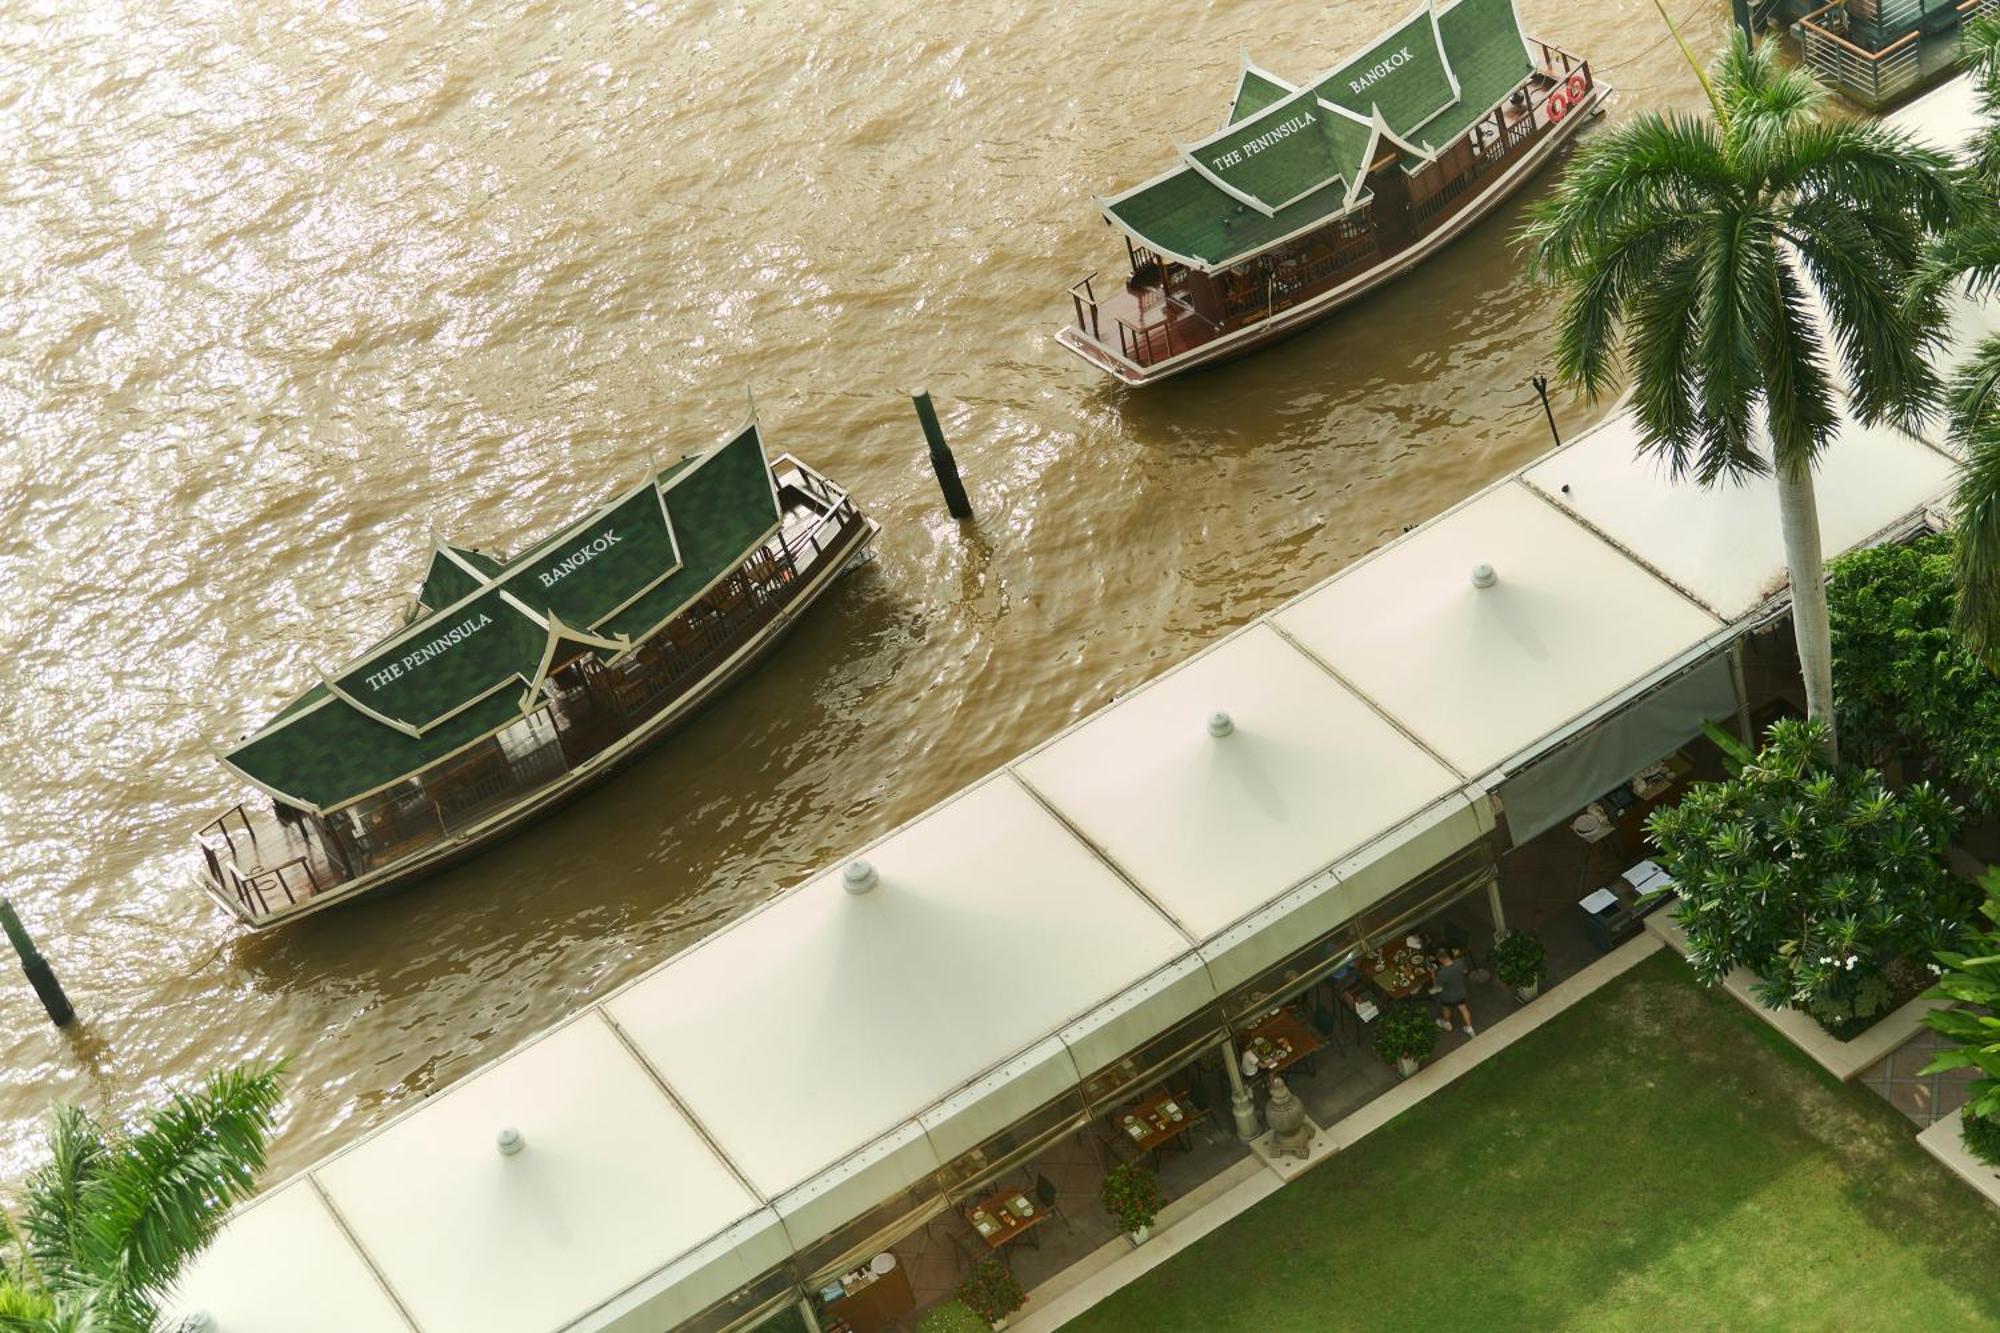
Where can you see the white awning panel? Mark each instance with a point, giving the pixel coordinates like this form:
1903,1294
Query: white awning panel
1216,827
283,1265
1479,674
827,1018
611,1183
1338,894
696,1280
999,1098
1945,117
1722,545
1137,1014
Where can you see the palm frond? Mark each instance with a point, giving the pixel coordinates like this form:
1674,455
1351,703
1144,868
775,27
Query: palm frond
54,1206
1883,336
1871,169
1666,373
1652,168
1975,424
1734,282
162,1190
1798,397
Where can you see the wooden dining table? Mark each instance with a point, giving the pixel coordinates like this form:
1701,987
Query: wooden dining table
1279,1040
1153,1122
1373,970
1000,1221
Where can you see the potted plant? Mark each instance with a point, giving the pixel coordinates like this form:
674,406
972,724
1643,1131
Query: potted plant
991,1292
1405,1035
952,1317
1520,961
1133,1197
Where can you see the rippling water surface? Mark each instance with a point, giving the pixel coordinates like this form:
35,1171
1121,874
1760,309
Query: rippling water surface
282,286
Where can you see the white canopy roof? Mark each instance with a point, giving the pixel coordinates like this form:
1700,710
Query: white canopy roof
1722,545
1217,827
283,1265
1480,674
826,1018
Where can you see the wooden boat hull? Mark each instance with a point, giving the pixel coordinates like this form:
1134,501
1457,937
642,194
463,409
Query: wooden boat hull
513,818
1307,313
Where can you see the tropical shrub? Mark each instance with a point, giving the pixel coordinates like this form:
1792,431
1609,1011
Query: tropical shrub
1982,1136
1132,1195
1812,875
108,1223
1519,959
991,1292
1972,1028
1910,683
1405,1032
952,1317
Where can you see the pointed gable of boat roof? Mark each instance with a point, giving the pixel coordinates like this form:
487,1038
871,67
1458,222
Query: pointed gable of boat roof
1489,55
1255,89
462,671
1277,157
455,572
1404,72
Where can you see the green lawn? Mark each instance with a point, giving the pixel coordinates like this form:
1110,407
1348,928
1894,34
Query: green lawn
1654,1158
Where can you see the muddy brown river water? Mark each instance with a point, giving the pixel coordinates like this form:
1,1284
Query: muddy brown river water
282,285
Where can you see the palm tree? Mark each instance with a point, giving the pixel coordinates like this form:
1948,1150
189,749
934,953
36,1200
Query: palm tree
1969,253
1686,250
113,1217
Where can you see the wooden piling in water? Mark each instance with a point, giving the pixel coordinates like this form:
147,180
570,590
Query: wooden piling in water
40,975
942,462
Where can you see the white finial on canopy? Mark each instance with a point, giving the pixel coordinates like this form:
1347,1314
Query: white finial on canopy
510,1141
1220,724
1483,575
859,877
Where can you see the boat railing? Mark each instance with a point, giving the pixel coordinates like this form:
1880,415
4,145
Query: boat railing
1497,138
1083,296
219,827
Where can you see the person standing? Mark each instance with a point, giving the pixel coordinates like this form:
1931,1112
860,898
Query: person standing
1448,987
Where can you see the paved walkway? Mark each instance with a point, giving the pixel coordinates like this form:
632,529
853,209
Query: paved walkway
1924,1098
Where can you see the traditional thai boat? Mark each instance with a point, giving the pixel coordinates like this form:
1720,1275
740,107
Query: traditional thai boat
1312,195
517,683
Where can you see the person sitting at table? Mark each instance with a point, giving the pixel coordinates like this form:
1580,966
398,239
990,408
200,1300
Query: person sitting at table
1448,987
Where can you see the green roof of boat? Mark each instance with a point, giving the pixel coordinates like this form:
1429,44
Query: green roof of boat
1291,157
474,658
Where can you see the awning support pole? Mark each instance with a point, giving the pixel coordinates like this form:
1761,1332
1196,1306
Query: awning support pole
1241,1107
806,1313
1493,902
1742,694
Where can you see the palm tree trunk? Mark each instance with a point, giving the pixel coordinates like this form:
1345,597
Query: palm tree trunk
1798,515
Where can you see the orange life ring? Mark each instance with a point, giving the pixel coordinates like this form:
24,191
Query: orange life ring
1557,104
1577,88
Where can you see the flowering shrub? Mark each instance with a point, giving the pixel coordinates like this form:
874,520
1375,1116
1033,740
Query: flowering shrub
1813,877
990,1291
1132,1195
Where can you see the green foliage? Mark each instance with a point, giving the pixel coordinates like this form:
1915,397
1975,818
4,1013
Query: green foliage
1405,1032
951,1317
1132,1195
1519,959
108,1222
1972,1026
990,1292
1812,876
1907,678
1682,246
1982,1137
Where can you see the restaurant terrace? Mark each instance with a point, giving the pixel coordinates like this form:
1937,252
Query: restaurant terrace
970,1005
